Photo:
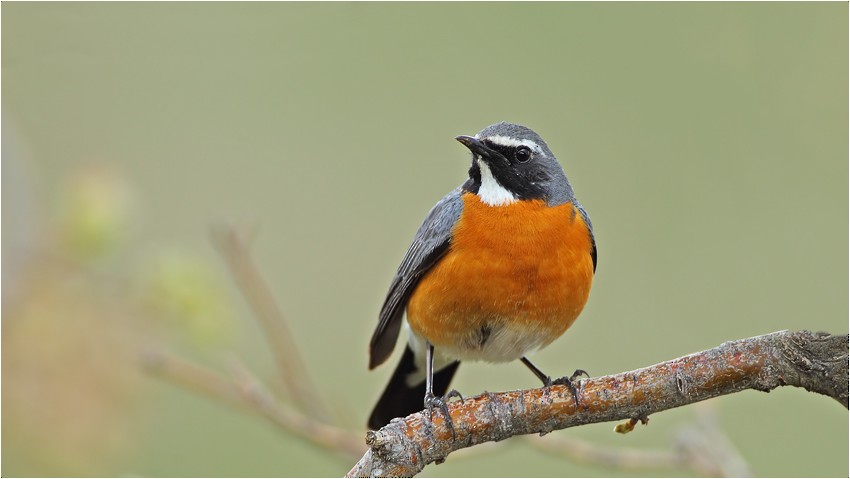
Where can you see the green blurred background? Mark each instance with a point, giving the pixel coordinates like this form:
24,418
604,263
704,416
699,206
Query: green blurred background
708,141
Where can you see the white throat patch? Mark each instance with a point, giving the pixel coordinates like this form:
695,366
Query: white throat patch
490,191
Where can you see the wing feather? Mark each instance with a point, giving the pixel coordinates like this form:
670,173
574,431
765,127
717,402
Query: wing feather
586,218
429,245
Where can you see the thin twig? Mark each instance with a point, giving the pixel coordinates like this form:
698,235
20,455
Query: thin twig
294,374
816,362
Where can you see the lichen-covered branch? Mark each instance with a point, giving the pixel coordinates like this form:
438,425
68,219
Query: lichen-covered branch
817,362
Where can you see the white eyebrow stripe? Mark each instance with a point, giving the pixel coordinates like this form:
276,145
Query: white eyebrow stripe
513,142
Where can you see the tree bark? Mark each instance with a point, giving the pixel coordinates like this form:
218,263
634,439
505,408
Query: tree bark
817,362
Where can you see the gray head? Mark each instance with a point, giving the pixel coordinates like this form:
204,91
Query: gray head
511,162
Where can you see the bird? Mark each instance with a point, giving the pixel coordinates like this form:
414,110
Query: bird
500,267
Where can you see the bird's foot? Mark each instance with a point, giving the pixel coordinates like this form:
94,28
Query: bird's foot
569,381
435,402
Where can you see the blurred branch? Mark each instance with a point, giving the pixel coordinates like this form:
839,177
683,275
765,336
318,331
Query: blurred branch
232,246
701,447
709,451
190,376
817,362
246,392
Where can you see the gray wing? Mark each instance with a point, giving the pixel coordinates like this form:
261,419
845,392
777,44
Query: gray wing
430,243
586,218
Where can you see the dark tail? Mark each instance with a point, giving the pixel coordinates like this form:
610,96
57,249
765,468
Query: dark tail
399,399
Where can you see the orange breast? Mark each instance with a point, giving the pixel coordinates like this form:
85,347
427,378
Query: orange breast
514,279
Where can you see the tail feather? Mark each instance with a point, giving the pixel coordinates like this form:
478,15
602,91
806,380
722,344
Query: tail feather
400,399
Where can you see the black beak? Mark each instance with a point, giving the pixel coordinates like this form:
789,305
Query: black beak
476,146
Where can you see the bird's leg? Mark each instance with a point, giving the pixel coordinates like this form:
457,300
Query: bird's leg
432,401
547,381
566,380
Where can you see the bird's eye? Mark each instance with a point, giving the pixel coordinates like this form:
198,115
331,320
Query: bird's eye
523,154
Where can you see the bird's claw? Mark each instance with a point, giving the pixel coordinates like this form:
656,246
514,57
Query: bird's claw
436,402
453,394
569,381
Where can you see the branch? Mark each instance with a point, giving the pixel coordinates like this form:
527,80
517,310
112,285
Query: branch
701,448
244,391
817,362
231,244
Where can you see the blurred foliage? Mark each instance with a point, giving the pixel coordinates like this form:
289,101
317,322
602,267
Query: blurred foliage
72,387
708,141
74,329
186,292
94,212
